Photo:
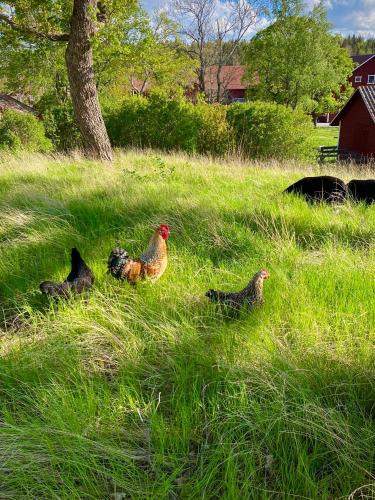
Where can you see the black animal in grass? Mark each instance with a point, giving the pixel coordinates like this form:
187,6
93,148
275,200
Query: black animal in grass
251,296
79,280
321,188
362,190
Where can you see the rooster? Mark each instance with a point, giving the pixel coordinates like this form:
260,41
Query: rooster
251,295
80,279
151,264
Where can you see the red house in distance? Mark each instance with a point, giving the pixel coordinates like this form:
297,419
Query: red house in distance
357,124
364,73
233,88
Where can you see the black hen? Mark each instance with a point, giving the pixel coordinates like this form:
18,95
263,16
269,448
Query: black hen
80,279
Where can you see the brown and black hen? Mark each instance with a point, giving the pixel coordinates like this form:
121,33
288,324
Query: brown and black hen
251,296
79,280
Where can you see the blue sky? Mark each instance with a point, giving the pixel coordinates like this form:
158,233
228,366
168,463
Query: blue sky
347,16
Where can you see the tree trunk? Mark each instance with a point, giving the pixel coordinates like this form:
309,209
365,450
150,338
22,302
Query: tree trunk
79,62
201,81
218,82
315,118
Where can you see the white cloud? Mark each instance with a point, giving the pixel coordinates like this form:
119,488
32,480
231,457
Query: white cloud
347,16
353,16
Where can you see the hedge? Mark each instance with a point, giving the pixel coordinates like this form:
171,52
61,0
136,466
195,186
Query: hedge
169,123
268,130
22,131
255,129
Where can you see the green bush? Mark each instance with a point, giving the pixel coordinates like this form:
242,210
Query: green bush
257,129
268,130
168,122
214,133
160,121
127,125
61,128
59,122
22,131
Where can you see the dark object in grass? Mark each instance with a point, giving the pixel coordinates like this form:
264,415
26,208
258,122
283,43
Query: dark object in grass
362,190
251,296
321,188
79,280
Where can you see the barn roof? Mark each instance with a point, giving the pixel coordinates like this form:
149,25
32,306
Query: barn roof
368,96
359,60
231,78
9,102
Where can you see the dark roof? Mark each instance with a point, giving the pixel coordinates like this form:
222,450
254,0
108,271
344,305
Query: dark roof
9,102
362,59
368,96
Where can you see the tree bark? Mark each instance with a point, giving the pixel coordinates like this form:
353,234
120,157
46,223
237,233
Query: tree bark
79,62
218,81
201,79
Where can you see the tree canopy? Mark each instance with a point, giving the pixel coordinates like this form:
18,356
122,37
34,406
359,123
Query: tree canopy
125,44
131,45
298,62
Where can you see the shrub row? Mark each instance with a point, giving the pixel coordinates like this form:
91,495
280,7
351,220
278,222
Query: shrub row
255,129
169,123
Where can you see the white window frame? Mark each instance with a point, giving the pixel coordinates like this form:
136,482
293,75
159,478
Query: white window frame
372,77
358,79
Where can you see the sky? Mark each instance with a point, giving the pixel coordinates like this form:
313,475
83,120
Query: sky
346,16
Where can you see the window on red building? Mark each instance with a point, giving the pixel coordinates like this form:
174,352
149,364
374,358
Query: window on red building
371,79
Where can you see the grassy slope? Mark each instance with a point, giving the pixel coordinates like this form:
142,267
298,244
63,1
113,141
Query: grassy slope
152,392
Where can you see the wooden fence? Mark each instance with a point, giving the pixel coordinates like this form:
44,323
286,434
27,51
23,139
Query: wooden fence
334,153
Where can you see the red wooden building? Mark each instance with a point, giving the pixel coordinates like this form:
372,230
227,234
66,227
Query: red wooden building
364,73
357,124
233,88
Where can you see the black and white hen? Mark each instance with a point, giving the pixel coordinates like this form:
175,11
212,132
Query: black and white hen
251,296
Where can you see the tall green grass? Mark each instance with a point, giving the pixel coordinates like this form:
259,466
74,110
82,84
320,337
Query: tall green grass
152,392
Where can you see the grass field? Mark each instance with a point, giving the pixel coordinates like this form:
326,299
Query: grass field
154,394
325,136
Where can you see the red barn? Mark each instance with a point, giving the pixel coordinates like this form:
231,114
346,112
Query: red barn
364,73
357,124
233,88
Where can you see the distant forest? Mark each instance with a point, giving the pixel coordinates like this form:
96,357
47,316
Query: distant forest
358,45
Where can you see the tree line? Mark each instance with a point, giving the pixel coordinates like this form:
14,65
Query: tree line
358,45
76,58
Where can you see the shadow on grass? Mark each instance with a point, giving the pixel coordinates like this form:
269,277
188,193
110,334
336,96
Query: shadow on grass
40,249
95,223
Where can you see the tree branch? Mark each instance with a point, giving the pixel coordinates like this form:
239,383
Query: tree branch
54,37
